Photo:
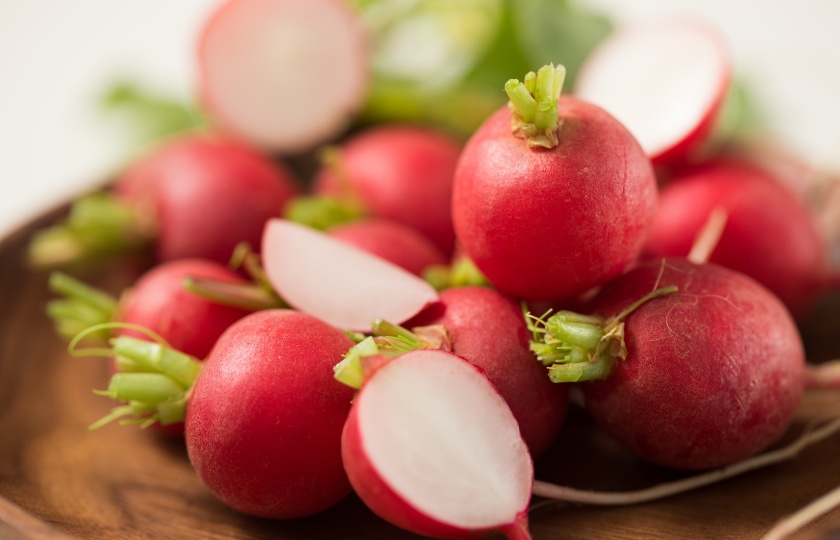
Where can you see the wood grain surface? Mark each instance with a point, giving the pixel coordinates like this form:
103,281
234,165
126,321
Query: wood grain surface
58,480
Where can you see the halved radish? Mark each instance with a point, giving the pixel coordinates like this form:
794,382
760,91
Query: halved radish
665,81
431,447
283,74
336,282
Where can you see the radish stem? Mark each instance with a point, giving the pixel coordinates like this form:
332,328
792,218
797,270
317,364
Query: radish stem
805,515
534,105
660,491
579,347
825,375
707,239
246,296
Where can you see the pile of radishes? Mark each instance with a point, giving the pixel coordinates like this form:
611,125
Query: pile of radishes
592,240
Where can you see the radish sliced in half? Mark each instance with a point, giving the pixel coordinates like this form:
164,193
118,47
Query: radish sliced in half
283,74
431,447
336,282
665,82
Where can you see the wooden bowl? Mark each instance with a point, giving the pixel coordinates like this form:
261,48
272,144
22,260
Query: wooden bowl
59,480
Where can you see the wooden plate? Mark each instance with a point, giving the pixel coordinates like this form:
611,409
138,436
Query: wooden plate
58,480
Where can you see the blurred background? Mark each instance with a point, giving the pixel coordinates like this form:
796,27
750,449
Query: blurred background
86,84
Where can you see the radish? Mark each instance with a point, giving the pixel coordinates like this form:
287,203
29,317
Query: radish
399,172
769,234
553,198
193,197
431,447
392,241
188,323
262,61
666,81
487,328
262,415
157,302
336,282
264,421
692,379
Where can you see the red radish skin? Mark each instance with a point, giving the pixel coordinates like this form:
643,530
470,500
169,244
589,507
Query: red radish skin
487,328
263,425
713,374
402,173
206,195
338,283
665,80
188,323
386,485
392,241
287,75
549,224
769,234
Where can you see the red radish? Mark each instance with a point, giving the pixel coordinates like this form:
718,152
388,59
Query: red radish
206,196
263,414
157,302
698,378
487,328
264,421
666,81
392,241
283,74
336,282
431,447
189,323
196,196
769,234
402,173
550,222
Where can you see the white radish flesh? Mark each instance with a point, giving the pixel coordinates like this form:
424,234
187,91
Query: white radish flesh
283,74
336,282
664,81
436,432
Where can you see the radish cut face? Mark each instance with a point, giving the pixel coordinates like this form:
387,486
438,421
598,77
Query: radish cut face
665,82
436,433
283,74
336,282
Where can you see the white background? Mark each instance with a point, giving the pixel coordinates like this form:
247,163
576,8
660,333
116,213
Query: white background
56,57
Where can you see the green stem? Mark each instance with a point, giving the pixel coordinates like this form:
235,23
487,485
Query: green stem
248,296
349,371
534,105
148,388
579,347
461,273
82,306
157,383
158,358
388,340
97,226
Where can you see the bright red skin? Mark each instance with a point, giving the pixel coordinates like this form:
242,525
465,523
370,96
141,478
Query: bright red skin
769,234
713,374
551,224
378,495
488,329
189,323
206,195
402,173
263,426
392,241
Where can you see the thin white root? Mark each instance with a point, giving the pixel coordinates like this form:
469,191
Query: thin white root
707,239
804,515
562,493
825,375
